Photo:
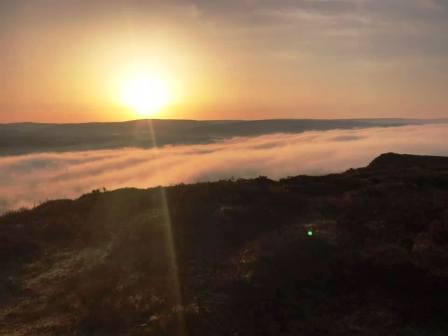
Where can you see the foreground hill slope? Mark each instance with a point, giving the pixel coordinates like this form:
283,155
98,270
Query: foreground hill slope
359,253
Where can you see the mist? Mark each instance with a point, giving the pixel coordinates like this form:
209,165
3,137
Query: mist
28,180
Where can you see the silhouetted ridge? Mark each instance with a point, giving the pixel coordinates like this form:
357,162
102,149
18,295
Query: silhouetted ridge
360,253
404,161
25,138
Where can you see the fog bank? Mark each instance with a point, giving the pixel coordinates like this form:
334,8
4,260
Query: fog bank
28,180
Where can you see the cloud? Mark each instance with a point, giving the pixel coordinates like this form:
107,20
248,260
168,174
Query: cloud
30,179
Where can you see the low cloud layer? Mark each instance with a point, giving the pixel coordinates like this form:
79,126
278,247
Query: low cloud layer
31,179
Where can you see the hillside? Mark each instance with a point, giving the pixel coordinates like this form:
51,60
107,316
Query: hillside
363,252
22,138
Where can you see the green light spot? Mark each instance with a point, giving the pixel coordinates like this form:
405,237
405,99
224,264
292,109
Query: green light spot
309,233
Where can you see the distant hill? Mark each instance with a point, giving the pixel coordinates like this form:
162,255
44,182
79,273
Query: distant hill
21,138
364,252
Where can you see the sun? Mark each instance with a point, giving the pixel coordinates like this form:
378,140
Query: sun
146,94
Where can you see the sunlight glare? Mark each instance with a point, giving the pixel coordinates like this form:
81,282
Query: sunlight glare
146,94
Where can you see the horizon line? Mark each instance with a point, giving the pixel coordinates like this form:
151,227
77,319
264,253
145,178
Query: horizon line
217,120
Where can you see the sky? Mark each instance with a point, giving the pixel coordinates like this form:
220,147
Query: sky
71,60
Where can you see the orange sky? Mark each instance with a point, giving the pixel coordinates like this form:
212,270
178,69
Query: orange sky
66,61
